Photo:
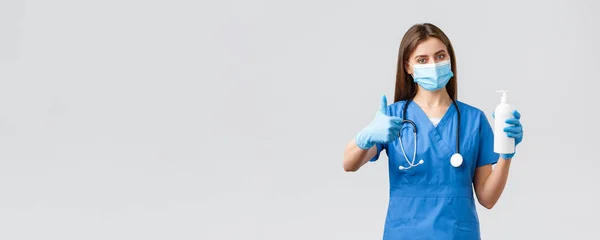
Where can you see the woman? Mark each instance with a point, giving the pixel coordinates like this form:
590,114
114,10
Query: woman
431,188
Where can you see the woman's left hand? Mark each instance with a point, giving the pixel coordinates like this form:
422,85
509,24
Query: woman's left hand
515,131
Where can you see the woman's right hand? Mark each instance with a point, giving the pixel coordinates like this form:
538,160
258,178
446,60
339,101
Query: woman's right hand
382,129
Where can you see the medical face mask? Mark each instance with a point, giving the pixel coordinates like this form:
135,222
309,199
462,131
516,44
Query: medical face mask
432,76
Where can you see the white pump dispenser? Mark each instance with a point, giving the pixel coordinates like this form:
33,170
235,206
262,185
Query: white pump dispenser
502,143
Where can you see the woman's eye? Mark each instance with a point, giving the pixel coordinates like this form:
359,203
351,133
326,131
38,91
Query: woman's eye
421,61
441,56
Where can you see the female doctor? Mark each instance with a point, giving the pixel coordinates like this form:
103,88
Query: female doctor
439,149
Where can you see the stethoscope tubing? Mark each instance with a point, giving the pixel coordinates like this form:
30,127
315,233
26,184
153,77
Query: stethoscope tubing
414,126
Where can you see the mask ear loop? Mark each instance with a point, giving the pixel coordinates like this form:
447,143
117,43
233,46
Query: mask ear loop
412,70
412,75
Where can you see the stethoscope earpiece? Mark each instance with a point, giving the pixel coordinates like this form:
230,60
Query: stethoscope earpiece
410,166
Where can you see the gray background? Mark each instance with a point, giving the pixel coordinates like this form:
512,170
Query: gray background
228,119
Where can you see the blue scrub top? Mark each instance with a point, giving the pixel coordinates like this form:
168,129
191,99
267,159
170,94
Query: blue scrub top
435,200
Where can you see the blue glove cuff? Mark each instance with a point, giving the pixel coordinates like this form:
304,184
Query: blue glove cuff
362,143
507,156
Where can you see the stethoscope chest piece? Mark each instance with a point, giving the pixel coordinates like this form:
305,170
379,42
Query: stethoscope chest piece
456,160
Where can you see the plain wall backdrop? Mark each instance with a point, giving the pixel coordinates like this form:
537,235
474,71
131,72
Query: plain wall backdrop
228,119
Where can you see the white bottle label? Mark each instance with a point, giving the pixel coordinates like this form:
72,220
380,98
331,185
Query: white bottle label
502,143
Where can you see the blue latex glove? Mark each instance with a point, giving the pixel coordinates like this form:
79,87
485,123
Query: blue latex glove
515,131
382,129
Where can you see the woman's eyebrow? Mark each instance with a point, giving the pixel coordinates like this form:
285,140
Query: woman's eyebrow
438,52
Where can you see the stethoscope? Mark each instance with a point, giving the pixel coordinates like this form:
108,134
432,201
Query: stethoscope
456,159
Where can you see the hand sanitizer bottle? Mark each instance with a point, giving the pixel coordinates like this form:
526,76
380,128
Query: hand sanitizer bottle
502,143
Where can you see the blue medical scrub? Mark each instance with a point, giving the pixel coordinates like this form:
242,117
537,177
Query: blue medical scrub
435,200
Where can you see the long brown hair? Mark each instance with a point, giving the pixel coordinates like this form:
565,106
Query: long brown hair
406,87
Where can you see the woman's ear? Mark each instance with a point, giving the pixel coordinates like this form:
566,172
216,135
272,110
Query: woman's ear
408,68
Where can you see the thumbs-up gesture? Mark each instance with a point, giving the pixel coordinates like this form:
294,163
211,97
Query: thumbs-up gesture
382,129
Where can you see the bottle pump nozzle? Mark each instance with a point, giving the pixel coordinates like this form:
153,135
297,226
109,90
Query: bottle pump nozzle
504,98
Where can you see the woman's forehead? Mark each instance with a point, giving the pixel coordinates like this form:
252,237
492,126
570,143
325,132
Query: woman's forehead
429,47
